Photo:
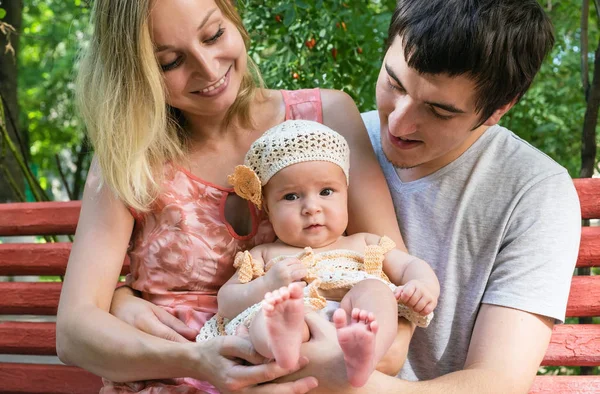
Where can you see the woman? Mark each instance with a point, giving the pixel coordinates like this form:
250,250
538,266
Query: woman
172,103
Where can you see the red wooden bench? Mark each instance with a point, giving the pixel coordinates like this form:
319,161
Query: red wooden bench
571,345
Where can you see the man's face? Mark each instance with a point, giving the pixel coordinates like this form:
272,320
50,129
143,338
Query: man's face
426,120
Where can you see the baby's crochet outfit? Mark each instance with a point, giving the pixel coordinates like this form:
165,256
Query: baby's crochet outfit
327,270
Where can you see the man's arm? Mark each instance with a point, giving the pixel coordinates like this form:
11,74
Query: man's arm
506,350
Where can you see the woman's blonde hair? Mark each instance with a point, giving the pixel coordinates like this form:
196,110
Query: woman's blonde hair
121,96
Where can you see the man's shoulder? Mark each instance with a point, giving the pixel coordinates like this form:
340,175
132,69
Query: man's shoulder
371,121
509,154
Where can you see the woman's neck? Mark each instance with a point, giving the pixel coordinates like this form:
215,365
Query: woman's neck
266,110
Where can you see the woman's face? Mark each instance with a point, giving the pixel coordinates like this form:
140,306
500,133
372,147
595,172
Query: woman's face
202,55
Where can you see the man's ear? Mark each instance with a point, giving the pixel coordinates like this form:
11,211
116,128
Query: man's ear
499,113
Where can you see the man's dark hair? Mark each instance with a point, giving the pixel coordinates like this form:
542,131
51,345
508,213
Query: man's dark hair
499,44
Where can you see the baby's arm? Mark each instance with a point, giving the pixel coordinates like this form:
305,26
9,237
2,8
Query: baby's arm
234,297
419,288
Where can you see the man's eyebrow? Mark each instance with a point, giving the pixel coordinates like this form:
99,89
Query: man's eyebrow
208,14
445,107
392,75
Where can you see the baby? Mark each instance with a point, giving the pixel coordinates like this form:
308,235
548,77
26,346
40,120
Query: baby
298,173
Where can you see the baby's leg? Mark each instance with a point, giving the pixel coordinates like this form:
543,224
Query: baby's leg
366,325
279,329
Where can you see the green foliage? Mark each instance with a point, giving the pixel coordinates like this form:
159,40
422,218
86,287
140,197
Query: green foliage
550,116
2,13
326,44
297,44
53,31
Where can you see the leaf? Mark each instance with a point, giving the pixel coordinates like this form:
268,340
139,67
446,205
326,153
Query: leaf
302,4
2,13
290,16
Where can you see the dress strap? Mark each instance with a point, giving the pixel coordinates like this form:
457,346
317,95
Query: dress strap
303,104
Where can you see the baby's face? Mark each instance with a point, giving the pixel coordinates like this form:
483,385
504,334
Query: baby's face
307,203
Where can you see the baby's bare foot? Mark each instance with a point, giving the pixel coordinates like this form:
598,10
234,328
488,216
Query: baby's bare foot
357,340
284,316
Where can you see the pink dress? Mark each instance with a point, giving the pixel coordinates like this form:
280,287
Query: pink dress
182,251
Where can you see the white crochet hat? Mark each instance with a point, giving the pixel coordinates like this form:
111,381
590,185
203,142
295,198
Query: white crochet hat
290,142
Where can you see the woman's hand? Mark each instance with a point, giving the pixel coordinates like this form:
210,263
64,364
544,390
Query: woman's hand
219,361
148,317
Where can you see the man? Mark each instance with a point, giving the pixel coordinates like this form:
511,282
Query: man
498,220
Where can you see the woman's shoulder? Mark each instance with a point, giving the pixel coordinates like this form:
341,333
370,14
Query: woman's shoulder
336,100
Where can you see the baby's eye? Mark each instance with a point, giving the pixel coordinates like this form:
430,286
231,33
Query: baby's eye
326,192
290,197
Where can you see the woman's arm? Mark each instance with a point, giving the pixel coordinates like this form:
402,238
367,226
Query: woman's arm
370,207
88,336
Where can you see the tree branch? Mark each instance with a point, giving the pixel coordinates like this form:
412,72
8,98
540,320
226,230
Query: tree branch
590,120
36,189
78,180
8,114
63,177
585,72
13,184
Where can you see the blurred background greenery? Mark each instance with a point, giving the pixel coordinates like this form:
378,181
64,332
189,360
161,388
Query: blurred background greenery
300,43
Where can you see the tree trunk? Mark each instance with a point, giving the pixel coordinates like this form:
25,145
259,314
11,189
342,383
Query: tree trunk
590,121
8,92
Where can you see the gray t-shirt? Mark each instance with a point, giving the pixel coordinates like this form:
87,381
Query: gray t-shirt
499,225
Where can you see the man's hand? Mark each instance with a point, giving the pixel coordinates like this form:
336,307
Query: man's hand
148,317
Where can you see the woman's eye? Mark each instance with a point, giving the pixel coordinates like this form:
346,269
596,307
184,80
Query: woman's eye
214,38
174,64
326,192
290,197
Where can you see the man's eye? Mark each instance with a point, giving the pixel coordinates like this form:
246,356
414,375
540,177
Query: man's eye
326,192
394,87
440,116
290,197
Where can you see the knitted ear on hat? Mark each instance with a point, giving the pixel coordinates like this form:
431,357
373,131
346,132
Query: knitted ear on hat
246,184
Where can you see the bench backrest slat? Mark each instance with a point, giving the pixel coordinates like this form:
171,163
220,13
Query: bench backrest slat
25,298
565,384
584,298
38,259
588,190
28,338
42,218
44,379
574,345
